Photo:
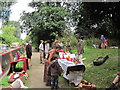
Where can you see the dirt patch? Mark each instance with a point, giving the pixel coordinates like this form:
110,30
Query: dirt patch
114,57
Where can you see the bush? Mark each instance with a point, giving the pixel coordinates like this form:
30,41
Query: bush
72,39
90,41
112,42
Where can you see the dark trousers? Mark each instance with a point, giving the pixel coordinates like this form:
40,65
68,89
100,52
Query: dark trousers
54,81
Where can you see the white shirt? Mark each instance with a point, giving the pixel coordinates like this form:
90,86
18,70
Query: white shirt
47,47
41,46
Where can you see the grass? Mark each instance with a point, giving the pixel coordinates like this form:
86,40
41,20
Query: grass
4,81
63,82
101,75
104,74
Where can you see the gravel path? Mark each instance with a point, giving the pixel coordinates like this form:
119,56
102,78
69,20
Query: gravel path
36,73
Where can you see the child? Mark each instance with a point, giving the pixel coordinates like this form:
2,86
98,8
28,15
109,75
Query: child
54,71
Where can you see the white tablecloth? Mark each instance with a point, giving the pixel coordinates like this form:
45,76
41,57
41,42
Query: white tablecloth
75,76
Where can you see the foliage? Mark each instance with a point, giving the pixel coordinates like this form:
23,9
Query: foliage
4,81
106,17
8,35
91,41
112,42
69,36
104,73
51,20
96,41
93,19
5,10
17,26
46,22
27,39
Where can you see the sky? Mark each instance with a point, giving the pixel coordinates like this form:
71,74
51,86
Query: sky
17,9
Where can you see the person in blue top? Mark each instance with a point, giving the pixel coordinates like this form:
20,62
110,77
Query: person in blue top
102,41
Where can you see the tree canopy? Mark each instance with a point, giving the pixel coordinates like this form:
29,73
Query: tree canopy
5,10
46,22
99,18
90,19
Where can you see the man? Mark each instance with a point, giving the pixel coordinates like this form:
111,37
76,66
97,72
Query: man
29,52
41,48
80,48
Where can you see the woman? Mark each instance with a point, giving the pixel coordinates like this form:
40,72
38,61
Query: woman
51,53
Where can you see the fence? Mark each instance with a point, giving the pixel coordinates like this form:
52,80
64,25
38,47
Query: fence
6,58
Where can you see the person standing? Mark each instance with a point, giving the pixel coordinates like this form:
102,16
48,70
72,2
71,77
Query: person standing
68,45
29,52
55,43
41,48
80,48
54,71
47,47
102,41
60,44
51,53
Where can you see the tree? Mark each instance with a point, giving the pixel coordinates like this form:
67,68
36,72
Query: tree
5,10
7,35
93,19
46,22
107,16
17,26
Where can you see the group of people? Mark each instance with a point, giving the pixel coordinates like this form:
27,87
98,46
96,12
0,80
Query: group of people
44,48
52,69
49,55
104,42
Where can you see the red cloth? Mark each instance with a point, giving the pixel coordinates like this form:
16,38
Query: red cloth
60,51
18,55
24,65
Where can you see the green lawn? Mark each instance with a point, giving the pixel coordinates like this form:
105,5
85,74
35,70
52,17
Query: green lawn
101,75
4,81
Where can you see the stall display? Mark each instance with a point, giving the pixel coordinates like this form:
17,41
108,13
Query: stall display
72,67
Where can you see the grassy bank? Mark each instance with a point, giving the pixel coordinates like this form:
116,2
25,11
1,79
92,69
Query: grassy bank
101,75
4,81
